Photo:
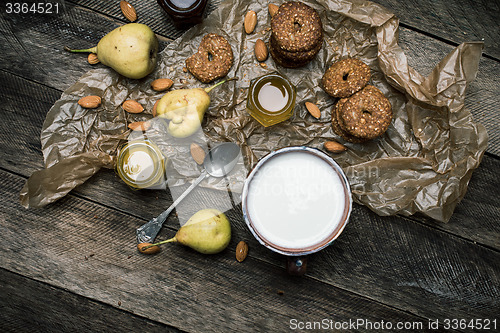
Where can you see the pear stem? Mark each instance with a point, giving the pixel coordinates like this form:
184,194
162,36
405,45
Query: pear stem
209,89
91,50
171,240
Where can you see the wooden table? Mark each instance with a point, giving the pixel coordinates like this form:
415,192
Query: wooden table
73,265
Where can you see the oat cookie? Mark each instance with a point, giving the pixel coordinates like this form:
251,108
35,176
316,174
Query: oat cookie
297,34
367,114
282,61
336,126
346,77
206,69
296,27
295,57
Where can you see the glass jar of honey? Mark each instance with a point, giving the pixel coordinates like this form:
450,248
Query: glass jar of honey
271,99
141,164
184,13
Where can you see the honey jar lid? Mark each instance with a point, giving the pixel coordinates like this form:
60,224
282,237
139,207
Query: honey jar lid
140,164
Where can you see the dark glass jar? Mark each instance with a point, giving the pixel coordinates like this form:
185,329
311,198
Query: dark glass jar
184,13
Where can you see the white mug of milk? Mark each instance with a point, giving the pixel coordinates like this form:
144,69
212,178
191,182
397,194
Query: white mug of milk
296,201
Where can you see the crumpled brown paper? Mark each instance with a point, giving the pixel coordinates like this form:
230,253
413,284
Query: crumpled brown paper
422,164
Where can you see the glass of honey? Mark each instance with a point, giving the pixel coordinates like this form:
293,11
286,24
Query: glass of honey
271,99
141,164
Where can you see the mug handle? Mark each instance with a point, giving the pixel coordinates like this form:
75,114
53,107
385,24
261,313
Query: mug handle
296,265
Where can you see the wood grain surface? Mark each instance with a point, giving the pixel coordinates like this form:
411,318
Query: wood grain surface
53,309
85,251
73,266
454,21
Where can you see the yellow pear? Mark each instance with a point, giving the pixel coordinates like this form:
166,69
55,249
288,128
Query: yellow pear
131,50
185,108
208,231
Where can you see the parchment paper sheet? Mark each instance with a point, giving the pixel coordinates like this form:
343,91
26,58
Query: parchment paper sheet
423,163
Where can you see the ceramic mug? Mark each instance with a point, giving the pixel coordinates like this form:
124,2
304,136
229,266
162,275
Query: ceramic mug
296,201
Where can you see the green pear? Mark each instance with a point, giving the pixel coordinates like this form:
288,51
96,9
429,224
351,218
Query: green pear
185,108
131,50
208,231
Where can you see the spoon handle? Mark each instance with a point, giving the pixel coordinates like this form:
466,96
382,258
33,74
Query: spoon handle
148,231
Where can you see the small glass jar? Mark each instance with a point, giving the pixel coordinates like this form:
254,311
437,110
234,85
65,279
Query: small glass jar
271,99
141,164
184,13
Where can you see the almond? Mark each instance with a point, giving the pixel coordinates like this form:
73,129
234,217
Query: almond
334,147
90,102
241,251
128,11
154,108
197,153
132,106
161,84
139,125
92,59
260,50
149,250
250,21
273,9
313,110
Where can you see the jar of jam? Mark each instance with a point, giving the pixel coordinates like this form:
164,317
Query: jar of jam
271,99
141,164
184,13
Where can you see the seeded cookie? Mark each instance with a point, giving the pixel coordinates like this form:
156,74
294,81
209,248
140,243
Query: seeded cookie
346,77
336,126
366,114
296,27
295,57
206,69
297,34
282,61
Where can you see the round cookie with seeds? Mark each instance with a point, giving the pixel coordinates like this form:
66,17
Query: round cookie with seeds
294,57
367,114
346,77
336,126
213,60
282,61
297,27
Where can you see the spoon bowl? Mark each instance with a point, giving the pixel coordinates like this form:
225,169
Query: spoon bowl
221,159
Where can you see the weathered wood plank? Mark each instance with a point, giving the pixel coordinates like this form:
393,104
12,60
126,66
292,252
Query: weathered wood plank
31,306
148,12
33,44
411,264
82,247
456,21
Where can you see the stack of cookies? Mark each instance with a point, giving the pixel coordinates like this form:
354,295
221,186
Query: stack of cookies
297,35
363,112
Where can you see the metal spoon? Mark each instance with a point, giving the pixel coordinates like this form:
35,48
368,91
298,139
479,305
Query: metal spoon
219,162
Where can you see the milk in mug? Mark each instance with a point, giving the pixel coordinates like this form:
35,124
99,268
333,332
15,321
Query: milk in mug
297,200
